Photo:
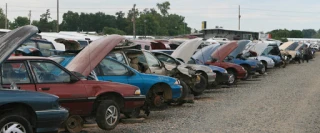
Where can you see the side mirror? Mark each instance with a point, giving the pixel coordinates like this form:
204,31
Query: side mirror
73,79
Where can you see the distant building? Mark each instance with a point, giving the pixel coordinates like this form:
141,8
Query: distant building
305,40
230,34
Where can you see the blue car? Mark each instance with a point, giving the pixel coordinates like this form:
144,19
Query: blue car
221,74
237,57
32,111
273,55
115,71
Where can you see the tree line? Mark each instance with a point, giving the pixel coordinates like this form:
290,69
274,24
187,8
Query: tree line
150,21
283,34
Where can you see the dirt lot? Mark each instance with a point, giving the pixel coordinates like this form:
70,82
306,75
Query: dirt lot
284,100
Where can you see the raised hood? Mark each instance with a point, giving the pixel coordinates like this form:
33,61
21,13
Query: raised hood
285,45
13,39
187,49
204,54
223,51
259,47
92,55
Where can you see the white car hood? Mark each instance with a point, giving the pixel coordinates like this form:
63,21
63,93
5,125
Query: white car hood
186,49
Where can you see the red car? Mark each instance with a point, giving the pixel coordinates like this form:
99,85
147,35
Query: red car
81,96
235,71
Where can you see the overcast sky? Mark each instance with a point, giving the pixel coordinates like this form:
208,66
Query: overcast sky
256,15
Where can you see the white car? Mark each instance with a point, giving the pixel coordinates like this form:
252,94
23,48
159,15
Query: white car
259,47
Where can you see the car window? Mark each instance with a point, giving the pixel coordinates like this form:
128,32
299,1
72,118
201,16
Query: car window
83,43
29,43
191,61
151,60
47,72
165,59
45,48
14,72
117,56
112,68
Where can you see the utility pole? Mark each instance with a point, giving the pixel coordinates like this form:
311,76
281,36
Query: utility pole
57,15
29,16
134,21
239,18
6,23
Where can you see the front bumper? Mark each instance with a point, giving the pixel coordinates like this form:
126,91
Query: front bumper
222,78
242,74
176,91
270,65
211,77
50,120
259,67
132,102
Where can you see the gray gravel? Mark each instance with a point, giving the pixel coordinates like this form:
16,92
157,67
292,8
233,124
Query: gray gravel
285,100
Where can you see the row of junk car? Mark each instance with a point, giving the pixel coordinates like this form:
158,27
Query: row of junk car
46,87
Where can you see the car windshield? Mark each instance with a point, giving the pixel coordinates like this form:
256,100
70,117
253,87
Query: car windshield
83,43
293,46
45,48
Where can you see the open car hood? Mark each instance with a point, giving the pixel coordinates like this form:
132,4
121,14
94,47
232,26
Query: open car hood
223,51
285,45
187,49
242,45
13,39
92,55
259,48
204,54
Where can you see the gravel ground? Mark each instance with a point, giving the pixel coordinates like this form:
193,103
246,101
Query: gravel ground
284,100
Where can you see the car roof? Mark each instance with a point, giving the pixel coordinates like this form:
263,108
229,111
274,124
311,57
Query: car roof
27,58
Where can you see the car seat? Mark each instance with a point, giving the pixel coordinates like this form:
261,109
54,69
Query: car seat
134,63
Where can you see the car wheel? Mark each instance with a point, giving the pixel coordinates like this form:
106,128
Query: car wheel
232,77
200,86
108,115
133,114
264,69
14,123
248,71
184,94
74,124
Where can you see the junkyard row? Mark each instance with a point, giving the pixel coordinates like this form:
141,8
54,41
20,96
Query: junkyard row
53,81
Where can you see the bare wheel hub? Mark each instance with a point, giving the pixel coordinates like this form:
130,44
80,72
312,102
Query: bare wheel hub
158,100
74,124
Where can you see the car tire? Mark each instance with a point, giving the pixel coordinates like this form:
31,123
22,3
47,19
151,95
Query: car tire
199,88
248,71
10,120
232,77
108,115
133,114
184,94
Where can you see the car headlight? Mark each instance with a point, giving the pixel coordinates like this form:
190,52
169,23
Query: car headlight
177,82
225,71
137,92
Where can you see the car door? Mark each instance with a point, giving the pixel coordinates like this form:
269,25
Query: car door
114,71
16,72
154,64
54,79
109,70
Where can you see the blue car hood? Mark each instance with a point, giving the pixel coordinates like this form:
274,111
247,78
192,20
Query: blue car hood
248,61
204,54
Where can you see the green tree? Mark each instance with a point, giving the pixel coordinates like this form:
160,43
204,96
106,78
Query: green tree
296,34
19,21
70,21
164,7
2,19
109,30
308,33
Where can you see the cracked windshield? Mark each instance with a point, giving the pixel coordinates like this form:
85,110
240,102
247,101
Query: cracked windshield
160,66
